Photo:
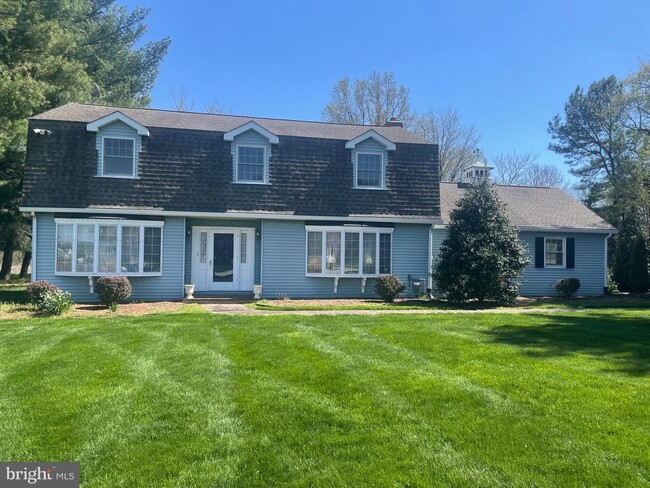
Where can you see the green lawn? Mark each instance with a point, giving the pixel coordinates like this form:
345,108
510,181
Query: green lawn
197,400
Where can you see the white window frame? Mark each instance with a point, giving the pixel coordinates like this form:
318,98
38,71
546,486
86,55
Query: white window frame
342,230
264,169
557,266
118,258
103,150
382,168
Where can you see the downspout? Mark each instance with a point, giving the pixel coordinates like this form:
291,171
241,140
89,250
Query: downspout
430,270
605,283
34,229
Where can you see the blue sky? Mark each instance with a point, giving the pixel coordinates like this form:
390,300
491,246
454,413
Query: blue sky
506,66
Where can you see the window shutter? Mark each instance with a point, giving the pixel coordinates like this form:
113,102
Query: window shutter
539,252
570,252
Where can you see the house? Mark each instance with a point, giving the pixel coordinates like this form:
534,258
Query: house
167,198
564,238
236,205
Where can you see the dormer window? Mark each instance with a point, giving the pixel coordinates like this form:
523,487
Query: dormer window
118,143
370,169
369,160
118,157
251,164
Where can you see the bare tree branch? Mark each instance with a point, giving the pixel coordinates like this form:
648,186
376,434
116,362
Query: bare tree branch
456,142
372,100
181,100
512,168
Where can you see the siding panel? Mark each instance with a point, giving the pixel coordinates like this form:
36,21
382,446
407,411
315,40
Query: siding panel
283,269
145,288
589,264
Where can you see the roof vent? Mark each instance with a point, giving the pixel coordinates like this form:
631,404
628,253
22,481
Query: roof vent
393,122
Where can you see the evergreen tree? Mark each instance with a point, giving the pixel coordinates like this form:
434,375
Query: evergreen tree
59,51
639,266
481,257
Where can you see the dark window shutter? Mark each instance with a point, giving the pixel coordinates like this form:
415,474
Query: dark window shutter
539,252
570,252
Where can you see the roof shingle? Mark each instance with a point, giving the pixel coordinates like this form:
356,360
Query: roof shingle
76,112
543,208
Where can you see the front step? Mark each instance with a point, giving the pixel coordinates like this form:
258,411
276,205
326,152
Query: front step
223,300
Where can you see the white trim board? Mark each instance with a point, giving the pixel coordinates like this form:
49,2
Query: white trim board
230,135
372,134
231,215
564,230
95,125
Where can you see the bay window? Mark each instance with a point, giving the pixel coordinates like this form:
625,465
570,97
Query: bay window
89,247
348,251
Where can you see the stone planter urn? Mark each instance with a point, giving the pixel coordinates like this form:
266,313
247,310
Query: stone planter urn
189,291
257,292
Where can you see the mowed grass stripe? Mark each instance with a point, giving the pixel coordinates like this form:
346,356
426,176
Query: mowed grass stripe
192,399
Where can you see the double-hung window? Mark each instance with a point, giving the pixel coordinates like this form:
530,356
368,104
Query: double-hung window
554,253
370,171
89,247
251,164
118,157
348,251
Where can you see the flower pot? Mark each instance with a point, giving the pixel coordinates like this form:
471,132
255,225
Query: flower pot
257,290
189,291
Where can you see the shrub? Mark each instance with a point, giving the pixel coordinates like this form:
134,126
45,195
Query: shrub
481,257
111,290
55,302
388,287
37,289
566,287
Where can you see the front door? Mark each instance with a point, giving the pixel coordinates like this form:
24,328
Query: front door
223,259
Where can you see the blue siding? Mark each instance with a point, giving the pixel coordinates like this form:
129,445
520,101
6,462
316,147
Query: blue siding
121,130
372,146
283,267
589,264
222,223
250,138
169,286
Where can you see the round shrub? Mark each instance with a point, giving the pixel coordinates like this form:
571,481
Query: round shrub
111,290
566,287
388,287
37,289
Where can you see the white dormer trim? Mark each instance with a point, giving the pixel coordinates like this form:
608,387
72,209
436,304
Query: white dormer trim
230,135
371,134
95,125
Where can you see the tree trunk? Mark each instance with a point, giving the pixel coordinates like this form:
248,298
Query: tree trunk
8,258
27,259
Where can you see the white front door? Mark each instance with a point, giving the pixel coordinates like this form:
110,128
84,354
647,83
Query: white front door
223,259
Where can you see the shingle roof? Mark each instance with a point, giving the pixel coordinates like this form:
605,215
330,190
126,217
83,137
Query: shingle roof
76,112
543,208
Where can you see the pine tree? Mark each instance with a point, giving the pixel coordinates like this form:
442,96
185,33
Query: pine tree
481,257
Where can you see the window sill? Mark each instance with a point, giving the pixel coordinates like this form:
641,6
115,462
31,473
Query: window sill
99,275
118,177
250,183
369,188
332,275
554,266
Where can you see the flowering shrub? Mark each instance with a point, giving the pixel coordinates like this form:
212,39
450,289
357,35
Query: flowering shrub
55,302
